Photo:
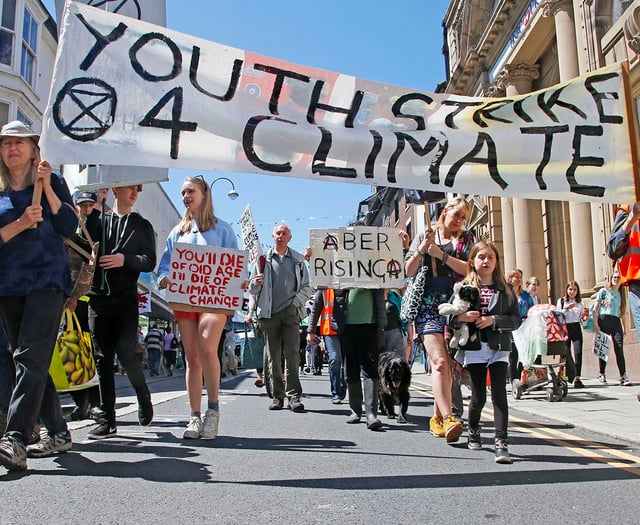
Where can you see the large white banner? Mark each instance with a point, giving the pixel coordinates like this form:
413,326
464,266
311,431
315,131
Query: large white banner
154,11
356,257
128,92
93,177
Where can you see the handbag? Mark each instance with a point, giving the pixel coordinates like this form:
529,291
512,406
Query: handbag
82,253
73,366
412,298
252,349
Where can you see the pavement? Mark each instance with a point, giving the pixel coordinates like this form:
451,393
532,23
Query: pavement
609,410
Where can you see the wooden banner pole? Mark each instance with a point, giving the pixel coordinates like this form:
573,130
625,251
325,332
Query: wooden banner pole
632,122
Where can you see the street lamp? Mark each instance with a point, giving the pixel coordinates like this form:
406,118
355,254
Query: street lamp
233,194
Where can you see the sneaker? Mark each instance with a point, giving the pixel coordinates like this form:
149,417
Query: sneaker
452,429
602,379
502,452
97,414
474,440
80,413
145,409
210,424
624,381
13,455
276,404
35,435
194,428
336,400
577,383
104,430
435,426
49,445
296,405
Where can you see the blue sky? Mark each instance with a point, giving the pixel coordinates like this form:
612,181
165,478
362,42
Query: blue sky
392,42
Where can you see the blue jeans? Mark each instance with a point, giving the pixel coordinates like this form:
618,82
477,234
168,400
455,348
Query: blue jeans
634,305
336,368
154,360
31,324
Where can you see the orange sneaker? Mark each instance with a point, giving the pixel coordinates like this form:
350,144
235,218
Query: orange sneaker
452,429
435,426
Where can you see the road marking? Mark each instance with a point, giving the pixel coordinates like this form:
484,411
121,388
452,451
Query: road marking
590,449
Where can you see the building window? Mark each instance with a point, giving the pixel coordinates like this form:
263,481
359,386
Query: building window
23,118
7,31
4,113
29,45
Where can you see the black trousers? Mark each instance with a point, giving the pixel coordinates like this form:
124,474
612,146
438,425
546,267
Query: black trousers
478,375
114,324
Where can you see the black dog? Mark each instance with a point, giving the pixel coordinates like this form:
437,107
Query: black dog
395,379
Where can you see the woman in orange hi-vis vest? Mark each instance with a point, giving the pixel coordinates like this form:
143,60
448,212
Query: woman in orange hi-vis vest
321,319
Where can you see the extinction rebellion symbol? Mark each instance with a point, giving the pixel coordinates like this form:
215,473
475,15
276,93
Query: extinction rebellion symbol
84,108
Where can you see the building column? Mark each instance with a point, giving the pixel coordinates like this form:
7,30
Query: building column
525,220
508,234
582,240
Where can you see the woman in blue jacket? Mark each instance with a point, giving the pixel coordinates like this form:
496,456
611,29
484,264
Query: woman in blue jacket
35,282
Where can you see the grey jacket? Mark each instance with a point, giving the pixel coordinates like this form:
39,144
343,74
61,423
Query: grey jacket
264,294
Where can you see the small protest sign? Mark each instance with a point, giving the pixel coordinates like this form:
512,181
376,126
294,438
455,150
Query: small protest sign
250,239
206,278
356,257
601,345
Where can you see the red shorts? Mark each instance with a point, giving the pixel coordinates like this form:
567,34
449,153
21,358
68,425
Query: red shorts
194,316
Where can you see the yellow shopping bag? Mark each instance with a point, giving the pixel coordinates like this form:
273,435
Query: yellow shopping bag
73,366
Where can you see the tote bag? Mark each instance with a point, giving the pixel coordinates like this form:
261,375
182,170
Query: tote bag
252,349
412,298
73,366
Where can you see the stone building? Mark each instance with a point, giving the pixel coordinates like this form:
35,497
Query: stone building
511,47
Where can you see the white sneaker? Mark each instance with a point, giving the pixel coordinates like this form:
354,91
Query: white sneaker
194,428
210,424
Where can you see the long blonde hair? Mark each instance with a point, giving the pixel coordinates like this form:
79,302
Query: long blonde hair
498,278
207,219
453,203
5,176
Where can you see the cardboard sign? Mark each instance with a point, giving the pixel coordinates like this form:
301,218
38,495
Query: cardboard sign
250,238
601,345
124,88
206,278
356,257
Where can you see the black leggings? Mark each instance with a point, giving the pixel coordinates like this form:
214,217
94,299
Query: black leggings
478,375
575,337
610,324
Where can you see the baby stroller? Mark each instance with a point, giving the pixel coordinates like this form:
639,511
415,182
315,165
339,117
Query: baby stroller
542,351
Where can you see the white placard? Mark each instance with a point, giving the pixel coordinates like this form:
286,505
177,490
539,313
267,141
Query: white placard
249,232
206,278
356,257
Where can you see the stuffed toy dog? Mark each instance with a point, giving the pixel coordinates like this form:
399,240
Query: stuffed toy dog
465,298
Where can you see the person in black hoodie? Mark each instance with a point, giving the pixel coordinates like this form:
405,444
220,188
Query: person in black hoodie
127,248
